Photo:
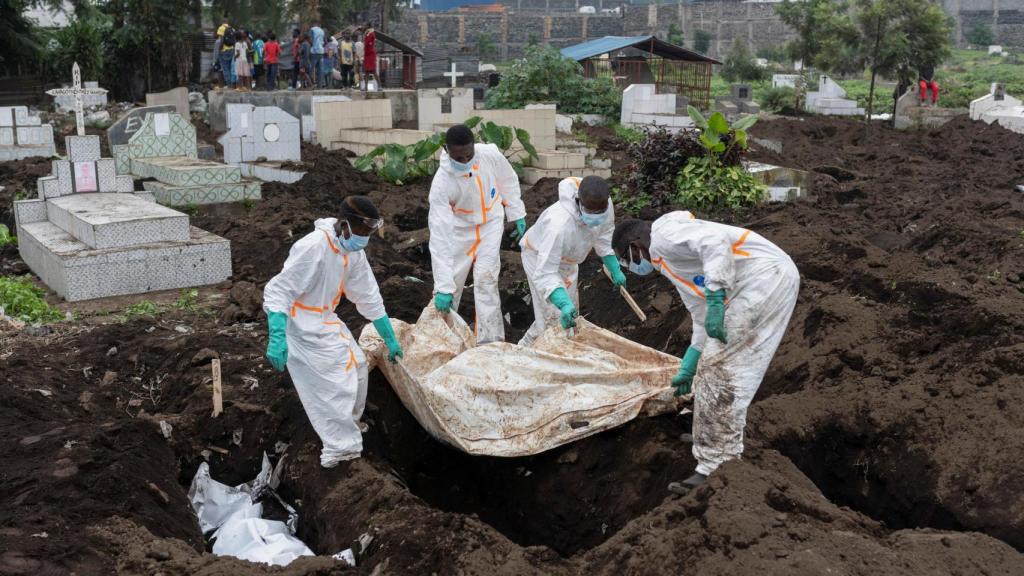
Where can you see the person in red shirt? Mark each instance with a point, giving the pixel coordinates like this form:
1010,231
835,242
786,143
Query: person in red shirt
370,54
271,56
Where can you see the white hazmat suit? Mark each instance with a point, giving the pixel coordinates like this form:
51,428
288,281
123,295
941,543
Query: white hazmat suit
761,284
552,250
467,210
326,364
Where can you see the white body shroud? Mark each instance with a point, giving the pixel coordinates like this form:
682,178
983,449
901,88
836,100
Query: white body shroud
501,399
552,250
467,212
326,365
761,285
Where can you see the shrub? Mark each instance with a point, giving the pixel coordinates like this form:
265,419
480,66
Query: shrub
740,65
22,300
627,134
701,41
654,162
775,99
6,237
713,181
544,75
82,41
980,35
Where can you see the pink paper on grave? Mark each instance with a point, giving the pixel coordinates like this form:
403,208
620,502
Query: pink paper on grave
85,177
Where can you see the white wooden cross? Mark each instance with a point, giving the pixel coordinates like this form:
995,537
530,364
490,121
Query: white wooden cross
454,75
76,90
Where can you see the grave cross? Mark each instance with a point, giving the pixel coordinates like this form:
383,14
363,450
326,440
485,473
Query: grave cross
77,91
454,75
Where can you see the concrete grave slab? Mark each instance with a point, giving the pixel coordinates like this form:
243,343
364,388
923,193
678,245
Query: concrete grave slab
111,220
177,97
830,99
126,126
443,106
23,135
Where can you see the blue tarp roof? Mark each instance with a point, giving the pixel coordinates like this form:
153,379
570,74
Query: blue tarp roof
652,44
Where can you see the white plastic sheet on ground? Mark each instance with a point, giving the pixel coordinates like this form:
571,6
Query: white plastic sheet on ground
502,399
234,514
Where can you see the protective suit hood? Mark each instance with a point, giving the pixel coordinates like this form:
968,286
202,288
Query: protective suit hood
567,201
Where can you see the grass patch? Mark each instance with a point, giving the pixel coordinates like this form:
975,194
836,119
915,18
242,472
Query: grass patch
23,300
141,308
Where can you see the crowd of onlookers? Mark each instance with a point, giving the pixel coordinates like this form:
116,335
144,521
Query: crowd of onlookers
249,60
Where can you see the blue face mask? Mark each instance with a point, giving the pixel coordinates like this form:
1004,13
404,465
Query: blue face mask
592,220
641,268
354,243
461,167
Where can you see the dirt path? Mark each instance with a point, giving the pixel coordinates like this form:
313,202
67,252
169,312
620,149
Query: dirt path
884,440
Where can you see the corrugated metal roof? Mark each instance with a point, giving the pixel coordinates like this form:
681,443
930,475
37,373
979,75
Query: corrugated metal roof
648,43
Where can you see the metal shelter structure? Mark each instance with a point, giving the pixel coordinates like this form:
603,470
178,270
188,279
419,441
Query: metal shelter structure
647,60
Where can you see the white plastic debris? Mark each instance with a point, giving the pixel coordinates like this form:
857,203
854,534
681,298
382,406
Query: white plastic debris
346,555
234,516
165,429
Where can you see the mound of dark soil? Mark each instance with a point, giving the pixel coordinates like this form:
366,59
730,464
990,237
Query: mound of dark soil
884,439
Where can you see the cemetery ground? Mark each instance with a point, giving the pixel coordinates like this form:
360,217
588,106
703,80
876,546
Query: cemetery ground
885,438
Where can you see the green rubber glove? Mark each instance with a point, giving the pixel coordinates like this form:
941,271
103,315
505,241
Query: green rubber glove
683,380
277,348
443,302
520,230
714,319
560,298
383,326
611,264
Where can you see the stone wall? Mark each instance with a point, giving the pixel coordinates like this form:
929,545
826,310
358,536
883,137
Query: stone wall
555,22
1004,17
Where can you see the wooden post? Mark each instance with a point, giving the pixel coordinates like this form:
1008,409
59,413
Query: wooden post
218,399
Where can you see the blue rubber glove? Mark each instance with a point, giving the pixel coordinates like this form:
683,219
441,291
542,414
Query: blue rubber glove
560,298
714,319
443,302
611,264
517,234
383,326
277,348
683,380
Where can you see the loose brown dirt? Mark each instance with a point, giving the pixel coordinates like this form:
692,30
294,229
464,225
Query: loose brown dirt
884,439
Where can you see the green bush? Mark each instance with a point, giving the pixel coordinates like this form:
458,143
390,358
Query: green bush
710,182
401,165
740,65
627,134
82,41
6,237
544,75
22,300
775,99
980,35
701,41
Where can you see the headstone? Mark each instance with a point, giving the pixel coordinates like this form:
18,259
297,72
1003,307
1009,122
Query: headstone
740,101
89,235
165,149
95,98
643,107
830,99
78,93
121,131
999,107
785,80
259,139
741,92
454,75
911,115
439,108
177,97
995,49
23,135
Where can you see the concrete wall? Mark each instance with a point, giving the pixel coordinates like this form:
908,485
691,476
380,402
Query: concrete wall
1004,17
298,103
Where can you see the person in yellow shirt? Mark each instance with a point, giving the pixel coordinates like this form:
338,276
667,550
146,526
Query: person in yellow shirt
226,57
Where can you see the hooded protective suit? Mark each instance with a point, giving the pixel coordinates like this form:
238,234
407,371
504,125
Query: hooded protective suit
325,362
761,285
466,223
553,248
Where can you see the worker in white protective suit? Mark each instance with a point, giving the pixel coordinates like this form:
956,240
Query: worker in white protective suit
474,190
582,220
740,290
325,362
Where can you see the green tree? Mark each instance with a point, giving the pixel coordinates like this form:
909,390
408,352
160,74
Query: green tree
980,35
675,34
813,21
82,41
740,65
19,42
701,41
150,39
485,45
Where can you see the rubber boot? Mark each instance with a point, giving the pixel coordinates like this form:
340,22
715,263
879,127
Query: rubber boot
690,483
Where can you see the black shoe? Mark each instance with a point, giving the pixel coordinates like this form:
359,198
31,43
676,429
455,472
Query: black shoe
690,483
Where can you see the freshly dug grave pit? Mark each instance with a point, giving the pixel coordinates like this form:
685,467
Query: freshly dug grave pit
897,391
